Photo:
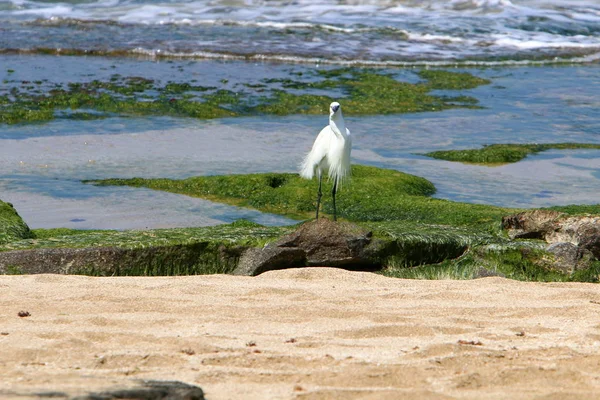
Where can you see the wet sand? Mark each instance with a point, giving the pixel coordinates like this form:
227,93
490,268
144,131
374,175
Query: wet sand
302,334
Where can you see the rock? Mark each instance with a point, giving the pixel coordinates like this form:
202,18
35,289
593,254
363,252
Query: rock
531,224
574,240
256,261
564,250
588,236
568,257
138,389
151,390
329,243
577,230
108,261
317,243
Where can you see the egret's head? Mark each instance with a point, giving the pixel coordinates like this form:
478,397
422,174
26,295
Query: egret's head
334,108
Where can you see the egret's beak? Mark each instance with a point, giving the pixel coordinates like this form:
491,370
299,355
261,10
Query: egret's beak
335,108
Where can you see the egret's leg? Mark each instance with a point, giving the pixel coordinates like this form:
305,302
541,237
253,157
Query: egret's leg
333,194
319,194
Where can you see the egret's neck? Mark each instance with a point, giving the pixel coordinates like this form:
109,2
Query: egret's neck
336,122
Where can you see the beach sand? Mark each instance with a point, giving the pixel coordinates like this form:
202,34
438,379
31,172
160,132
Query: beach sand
312,333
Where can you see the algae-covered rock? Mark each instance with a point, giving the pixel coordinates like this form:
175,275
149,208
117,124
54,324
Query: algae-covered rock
389,246
362,91
12,226
497,154
182,251
373,194
254,261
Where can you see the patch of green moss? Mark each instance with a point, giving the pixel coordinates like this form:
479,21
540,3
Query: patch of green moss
178,88
15,114
497,154
239,233
283,103
181,251
12,226
510,261
85,116
373,194
364,92
13,270
368,92
43,233
574,209
446,80
415,244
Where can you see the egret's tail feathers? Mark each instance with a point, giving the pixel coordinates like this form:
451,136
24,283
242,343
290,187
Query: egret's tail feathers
339,175
340,170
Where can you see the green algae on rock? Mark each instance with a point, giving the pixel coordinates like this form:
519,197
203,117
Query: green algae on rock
404,248
374,194
370,93
12,226
363,92
180,251
522,260
237,233
497,154
446,80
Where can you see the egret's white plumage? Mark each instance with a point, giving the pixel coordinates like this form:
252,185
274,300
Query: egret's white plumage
330,152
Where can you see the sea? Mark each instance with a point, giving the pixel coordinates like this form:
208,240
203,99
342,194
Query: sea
541,56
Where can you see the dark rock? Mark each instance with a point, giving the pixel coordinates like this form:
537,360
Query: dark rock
569,257
151,390
589,239
256,261
136,389
317,243
564,250
53,395
329,243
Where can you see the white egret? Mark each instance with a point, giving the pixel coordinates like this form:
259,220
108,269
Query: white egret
331,153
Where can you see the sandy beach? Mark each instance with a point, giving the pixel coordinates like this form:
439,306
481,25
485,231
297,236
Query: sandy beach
312,333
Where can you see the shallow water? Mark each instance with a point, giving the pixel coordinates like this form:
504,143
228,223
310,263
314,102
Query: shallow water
42,165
